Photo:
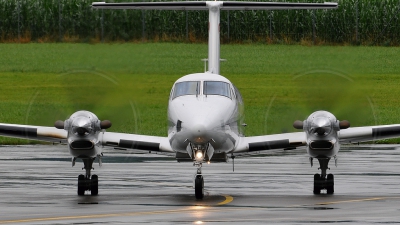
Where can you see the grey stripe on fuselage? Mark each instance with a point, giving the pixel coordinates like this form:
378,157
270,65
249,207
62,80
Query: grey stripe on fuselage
150,146
267,145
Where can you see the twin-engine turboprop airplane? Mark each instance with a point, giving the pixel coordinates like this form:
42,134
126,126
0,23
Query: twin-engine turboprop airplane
205,114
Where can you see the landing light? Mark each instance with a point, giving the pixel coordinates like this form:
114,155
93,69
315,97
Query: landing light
199,155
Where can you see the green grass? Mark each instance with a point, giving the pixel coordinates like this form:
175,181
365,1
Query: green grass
129,84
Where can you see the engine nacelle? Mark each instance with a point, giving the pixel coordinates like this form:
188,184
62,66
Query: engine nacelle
321,123
83,130
322,128
82,123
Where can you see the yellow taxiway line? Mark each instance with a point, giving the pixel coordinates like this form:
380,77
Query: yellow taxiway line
209,208
346,201
227,200
356,200
92,216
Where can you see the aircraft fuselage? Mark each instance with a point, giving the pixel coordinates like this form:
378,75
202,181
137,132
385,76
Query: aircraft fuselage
204,109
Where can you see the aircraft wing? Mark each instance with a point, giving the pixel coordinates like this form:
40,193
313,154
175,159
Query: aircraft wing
370,133
271,142
135,141
293,140
39,133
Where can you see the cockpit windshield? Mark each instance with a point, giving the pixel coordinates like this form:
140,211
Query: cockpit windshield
186,88
217,88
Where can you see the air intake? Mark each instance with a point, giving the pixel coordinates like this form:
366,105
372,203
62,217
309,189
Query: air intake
82,145
321,145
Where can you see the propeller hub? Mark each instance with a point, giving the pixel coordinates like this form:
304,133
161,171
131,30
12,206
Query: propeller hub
82,126
321,126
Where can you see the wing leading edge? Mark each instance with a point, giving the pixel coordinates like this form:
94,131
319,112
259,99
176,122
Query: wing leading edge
369,133
271,142
112,139
134,141
293,140
39,133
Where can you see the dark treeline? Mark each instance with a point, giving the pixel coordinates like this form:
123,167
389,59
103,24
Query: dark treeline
367,22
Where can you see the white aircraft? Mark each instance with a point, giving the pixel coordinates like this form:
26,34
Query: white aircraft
205,114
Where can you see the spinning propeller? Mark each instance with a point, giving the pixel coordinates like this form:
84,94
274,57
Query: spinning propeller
69,95
102,94
316,90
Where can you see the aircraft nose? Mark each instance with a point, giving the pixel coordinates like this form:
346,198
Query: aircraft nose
198,130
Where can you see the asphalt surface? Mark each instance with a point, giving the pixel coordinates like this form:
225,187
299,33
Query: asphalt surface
38,186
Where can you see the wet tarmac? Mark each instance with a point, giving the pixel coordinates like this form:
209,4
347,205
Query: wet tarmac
38,186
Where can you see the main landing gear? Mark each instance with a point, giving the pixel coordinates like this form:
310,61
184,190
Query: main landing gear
87,182
198,182
323,181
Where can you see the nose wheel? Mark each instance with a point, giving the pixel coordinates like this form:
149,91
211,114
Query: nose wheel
323,181
199,187
91,185
329,184
199,183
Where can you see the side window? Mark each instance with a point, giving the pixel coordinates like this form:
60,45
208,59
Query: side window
186,88
170,94
217,88
238,95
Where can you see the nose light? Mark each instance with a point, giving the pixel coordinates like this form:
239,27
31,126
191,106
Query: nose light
199,155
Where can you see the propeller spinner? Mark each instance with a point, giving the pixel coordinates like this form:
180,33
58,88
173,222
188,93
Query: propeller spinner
83,122
321,123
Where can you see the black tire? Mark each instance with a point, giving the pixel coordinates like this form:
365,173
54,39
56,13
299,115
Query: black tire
330,184
199,187
81,185
94,185
317,184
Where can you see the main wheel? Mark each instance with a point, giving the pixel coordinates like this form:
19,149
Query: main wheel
317,184
329,184
81,185
94,185
199,187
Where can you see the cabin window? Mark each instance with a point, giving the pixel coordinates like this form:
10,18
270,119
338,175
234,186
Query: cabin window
217,88
186,88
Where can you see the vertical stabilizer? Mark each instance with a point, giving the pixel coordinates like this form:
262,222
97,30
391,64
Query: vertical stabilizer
213,36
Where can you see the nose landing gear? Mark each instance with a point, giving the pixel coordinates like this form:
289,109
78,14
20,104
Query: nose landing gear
323,181
88,182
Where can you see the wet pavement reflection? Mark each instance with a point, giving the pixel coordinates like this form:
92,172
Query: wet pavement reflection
38,186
